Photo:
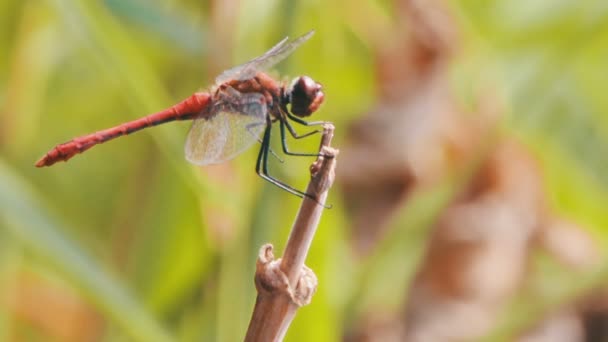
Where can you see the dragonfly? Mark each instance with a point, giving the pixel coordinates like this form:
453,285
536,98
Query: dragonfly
238,111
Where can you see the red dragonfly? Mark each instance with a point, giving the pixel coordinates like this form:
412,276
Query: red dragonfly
238,111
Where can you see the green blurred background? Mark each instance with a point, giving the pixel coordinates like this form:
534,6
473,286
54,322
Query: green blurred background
130,242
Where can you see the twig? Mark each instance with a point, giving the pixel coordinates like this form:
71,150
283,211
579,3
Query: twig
285,284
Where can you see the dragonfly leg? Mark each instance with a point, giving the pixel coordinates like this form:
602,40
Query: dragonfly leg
284,123
295,134
304,122
255,124
261,167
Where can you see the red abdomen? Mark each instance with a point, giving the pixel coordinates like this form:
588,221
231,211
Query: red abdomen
188,109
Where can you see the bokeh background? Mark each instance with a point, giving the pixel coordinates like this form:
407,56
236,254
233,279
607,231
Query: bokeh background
470,200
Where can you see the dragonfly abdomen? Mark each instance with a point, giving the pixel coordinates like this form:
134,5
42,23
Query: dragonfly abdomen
185,110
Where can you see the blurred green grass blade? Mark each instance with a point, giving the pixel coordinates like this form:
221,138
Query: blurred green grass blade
546,69
28,77
156,19
24,216
573,189
9,261
527,310
171,257
116,54
385,275
235,293
383,278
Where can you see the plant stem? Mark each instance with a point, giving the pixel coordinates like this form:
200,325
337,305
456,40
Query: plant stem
285,284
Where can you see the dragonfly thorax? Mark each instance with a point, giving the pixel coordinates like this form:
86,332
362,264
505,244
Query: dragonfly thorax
305,96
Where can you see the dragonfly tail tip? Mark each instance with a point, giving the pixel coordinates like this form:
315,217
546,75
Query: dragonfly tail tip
41,162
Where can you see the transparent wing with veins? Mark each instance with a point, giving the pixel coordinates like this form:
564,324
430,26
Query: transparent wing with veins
234,124
273,56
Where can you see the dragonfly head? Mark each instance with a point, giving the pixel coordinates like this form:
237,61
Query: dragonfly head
305,96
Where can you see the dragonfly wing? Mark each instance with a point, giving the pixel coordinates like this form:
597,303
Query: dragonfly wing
231,128
273,56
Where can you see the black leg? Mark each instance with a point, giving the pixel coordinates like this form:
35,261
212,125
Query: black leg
261,167
255,124
284,123
293,132
304,122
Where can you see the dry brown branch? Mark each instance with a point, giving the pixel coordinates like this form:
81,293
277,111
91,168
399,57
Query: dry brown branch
285,284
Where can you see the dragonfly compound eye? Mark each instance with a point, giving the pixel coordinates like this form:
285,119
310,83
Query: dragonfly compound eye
306,96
